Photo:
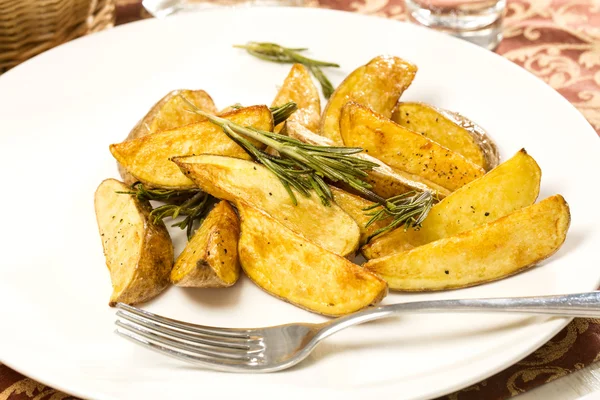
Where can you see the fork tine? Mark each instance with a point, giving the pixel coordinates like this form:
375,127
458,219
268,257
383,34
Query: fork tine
201,339
208,362
167,340
185,326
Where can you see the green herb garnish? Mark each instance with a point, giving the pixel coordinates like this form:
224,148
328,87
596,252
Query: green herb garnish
279,54
283,112
300,166
305,167
192,203
408,210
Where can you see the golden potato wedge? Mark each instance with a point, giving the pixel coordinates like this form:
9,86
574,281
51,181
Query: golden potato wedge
450,130
404,149
239,180
354,206
385,180
294,269
210,258
489,252
377,85
139,253
298,87
510,186
148,158
168,113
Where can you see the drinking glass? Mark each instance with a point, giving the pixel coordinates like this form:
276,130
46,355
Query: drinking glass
478,21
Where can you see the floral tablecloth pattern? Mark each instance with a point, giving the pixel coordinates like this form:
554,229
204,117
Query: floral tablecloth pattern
557,40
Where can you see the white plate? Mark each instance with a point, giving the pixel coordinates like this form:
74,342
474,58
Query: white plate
61,110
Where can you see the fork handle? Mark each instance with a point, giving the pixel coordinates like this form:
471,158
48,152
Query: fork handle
569,305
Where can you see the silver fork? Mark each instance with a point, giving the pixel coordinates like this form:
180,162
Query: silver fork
279,347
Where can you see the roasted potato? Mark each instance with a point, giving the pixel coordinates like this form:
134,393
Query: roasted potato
139,253
148,158
170,112
451,130
385,181
238,180
403,149
355,207
510,186
377,85
294,269
298,87
489,252
210,258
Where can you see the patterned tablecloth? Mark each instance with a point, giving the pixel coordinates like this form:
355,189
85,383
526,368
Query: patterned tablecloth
557,40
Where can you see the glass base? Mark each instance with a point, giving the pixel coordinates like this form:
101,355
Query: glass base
164,8
477,21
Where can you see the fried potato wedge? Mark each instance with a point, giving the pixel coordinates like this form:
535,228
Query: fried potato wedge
452,131
289,267
385,181
489,252
378,85
210,258
148,158
510,186
139,254
404,149
354,206
238,180
298,87
168,113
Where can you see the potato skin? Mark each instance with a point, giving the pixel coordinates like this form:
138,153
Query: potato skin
295,270
148,158
210,258
512,185
168,113
298,87
238,180
377,85
443,128
385,181
139,253
403,149
489,252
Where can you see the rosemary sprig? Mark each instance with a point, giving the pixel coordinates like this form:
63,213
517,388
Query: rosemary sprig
143,193
283,112
408,209
194,205
194,209
300,166
279,54
305,167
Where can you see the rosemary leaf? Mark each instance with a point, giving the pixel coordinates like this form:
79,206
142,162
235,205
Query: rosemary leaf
408,210
279,54
193,204
283,112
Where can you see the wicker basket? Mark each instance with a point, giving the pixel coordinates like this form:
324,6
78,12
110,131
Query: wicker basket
29,27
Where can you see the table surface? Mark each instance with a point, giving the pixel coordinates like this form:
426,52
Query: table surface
559,41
